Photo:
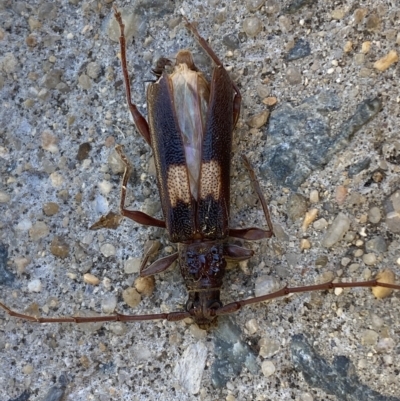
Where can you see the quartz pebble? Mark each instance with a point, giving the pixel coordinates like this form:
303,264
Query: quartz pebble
132,265
108,250
369,259
310,216
369,337
268,368
39,230
336,231
252,26
109,303
90,279
35,285
374,215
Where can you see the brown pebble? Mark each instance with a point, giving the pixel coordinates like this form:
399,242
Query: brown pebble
131,297
31,41
258,120
348,47
83,151
385,62
85,362
90,279
310,216
385,276
270,101
50,208
109,142
59,247
145,285
341,194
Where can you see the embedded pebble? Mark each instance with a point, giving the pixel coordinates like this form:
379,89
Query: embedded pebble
341,194
254,5
268,368
21,264
131,297
268,347
293,76
321,261
109,303
135,25
300,49
385,62
369,337
93,69
39,230
258,120
231,41
320,224
296,206
374,215
49,142
251,326
56,179
27,369
84,82
145,285
338,13
252,26
24,225
310,216
4,197
108,250
115,163
189,369
369,259
8,63
376,244
105,187
385,345
118,328
376,321
132,265
336,231
393,212
59,247
50,208
265,285
305,244
90,279
366,47
83,151
35,285
314,196
348,46
385,276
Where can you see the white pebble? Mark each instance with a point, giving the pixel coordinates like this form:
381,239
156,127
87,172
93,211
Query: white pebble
268,368
108,250
35,285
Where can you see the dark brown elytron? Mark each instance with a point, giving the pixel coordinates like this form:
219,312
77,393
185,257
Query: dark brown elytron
189,128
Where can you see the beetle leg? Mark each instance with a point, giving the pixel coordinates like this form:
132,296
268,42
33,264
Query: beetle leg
203,43
140,121
135,215
254,233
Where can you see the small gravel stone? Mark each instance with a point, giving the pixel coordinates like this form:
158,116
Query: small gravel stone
131,297
108,250
266,285
35,285
369,337
50,208
310,216
374,215
369,259
145,285
268,368
4,197
56,179
293,76
385,62
109,303
385,345
39,230
296,206
268,347
49,142
385,276
258,120
376,245
93,70
336,231
251,326
254,5
132,265
90,279
59,247
115,163
252,26
314,196
83,151
84,82
190,367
